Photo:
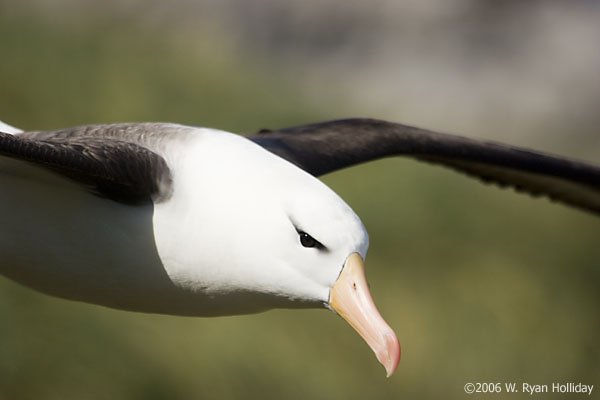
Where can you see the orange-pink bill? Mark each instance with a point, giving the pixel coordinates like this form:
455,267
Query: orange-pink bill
351,299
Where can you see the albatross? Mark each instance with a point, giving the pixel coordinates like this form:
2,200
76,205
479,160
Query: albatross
181,220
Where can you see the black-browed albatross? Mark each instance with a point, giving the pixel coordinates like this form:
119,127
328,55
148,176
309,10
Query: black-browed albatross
172,219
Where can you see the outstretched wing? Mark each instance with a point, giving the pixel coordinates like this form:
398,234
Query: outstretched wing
121,171
328,146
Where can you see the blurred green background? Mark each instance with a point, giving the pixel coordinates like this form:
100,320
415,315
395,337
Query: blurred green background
480,284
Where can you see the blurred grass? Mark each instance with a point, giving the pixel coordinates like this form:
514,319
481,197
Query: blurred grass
58,75
479,283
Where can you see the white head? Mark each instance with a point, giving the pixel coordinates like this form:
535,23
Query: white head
259,234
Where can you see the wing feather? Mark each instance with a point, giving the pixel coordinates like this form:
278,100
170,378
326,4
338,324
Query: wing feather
119,170
328,146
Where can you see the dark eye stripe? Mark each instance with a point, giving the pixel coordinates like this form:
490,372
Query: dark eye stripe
305,239
308,241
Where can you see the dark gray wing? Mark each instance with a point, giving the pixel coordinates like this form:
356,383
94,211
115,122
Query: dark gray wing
119,170
328,146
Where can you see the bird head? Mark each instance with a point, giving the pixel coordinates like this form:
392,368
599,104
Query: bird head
263,234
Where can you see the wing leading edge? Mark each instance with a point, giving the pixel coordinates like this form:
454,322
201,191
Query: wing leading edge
128,172
118,170
328,146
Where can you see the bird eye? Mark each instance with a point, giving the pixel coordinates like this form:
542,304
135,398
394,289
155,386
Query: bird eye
308,241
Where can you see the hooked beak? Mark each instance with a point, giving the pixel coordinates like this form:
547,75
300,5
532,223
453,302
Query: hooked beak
351,299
